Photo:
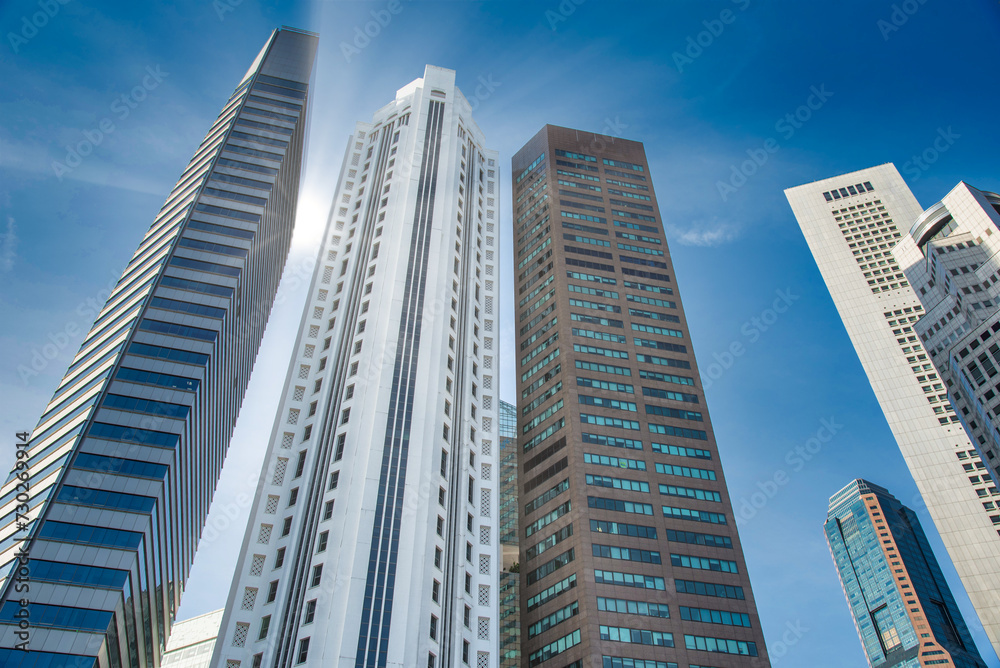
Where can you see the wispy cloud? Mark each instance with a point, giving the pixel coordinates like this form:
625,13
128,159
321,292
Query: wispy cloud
8,245
713,232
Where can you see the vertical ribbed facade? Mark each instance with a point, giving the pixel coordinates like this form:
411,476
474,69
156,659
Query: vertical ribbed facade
630,556
125,459
373,539
510,596
852,224
903,608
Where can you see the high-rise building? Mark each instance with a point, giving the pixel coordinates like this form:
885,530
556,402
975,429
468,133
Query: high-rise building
851,223
903,608
629,549
373,538
192,641
510,579
948,258
125,459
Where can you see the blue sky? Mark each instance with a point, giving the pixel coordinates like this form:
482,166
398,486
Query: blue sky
596,65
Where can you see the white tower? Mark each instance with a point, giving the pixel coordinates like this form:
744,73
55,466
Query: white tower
373,537
851,223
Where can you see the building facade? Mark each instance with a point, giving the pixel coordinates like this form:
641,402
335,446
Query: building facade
192,641
948,258
124,461
373,539
510,578
903,609
630,555
852,223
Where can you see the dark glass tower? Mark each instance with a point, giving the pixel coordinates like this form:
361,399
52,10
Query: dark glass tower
630,556
125,459
510,591
902,605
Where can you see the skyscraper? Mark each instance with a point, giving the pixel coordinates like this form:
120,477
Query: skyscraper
192,641
125,459
629,550
902,606
851,223
373,538
510,578
948,258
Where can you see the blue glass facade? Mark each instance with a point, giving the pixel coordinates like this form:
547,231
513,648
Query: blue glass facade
903,609
102,515
510,597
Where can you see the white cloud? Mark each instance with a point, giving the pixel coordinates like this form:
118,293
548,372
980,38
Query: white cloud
8,245
705,233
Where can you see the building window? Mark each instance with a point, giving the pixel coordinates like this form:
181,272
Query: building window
317,575
303,651
310,612
265,624
328,510
272,592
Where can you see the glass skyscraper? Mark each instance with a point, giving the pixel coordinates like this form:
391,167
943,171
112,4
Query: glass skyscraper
630,555
125,459
373,540
903,609
510,591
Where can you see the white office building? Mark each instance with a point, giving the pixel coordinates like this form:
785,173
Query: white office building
852,223
192,641
373,538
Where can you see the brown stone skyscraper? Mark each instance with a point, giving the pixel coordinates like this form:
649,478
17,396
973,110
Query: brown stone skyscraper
630,556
